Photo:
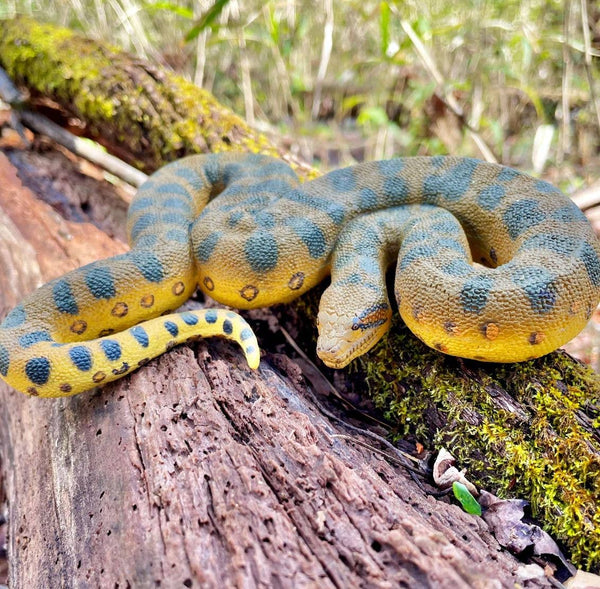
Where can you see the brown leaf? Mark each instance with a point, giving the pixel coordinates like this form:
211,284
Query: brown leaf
505,519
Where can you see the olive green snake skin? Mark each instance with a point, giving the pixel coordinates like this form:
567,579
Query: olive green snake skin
492,265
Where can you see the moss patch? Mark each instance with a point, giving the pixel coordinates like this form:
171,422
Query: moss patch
527,430
542,448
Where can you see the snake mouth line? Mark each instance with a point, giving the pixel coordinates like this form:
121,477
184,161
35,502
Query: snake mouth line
358,348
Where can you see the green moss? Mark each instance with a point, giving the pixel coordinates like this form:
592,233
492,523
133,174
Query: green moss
543,453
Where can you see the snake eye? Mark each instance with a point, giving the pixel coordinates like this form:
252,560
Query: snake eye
355,325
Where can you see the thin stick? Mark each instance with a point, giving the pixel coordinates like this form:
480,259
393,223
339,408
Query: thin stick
87,149
447,97
83,148
588,58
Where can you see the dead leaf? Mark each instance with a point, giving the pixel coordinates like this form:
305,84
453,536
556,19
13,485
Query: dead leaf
445,473
505,519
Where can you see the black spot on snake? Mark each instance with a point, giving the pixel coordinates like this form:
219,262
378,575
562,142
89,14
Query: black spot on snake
536,338
296,281
63,298
120,309
189,318
246,333
139,333
449,327
100,283
261,251
81,357
147,301
249,292
210,316
178,288
490,330
475,293
148,264
78,326
99,376
111,349
172,328
122,370
38,370
29,339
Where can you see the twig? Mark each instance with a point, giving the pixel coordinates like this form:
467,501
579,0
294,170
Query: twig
587,197
400,456
87,149
588,58
83,148
328,385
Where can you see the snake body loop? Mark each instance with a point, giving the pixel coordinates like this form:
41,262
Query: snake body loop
492,264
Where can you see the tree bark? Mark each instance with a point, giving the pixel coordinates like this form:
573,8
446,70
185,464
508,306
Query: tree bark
196,471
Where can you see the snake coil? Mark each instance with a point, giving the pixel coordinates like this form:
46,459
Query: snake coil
492,264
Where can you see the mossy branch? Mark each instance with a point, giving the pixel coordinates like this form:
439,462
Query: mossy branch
146,114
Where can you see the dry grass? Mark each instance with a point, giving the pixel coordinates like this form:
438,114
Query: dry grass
512,80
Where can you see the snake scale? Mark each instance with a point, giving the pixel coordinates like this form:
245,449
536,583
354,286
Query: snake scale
492,265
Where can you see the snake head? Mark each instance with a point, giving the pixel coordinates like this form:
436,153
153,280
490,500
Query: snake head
344,335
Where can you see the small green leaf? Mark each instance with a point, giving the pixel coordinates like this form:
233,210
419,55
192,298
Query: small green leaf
468,502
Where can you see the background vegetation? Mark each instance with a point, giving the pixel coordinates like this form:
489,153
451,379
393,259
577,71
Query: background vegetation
513,80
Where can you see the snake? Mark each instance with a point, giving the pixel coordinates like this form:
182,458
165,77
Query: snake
492,265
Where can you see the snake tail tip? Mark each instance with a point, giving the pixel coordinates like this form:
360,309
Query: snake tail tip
253,359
